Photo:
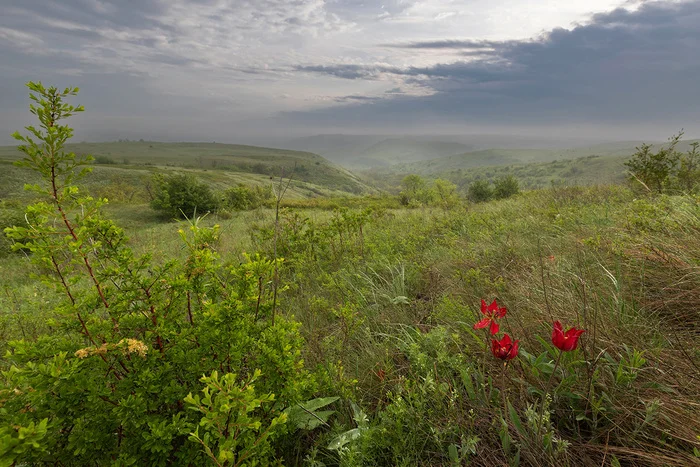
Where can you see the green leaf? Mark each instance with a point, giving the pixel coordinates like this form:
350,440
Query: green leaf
515,418
345,438
454,453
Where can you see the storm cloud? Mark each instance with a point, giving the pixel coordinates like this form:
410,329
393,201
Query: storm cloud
225,69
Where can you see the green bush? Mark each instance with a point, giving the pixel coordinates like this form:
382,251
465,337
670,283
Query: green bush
10,215
182,196
505,187
244,197
104,160
689,169
110,384
445,193
415,191
480,191
654,169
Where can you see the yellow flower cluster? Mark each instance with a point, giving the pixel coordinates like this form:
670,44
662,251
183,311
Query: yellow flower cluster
134,346
125,346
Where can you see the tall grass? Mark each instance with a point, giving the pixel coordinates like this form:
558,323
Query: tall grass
387,302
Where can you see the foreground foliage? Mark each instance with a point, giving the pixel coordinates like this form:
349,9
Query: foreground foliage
113,379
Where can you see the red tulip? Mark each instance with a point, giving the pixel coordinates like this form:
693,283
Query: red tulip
504,349
565,340
492,312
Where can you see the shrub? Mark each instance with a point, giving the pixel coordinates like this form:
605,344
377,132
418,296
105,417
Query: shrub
182,196
10,215
243,197
132,339
505,187
414,191
689,170
445,193
104,160
480,191
653,169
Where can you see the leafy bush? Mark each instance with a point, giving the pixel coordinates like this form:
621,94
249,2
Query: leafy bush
104,160
415,191
654,169
10,215
689,169
182,196
505,187
480,191
244,197
445,193
110,383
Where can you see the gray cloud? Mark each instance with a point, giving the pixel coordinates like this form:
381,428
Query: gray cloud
219,69
623,66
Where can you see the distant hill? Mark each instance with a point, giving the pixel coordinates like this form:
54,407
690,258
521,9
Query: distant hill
365,151
401,150
534,168
220,164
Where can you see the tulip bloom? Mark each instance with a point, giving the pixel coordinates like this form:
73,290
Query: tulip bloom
491,312
565,341
504,349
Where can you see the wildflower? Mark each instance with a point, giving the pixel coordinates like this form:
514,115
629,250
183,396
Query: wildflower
82,353
504,349
565,341
491,312
134,346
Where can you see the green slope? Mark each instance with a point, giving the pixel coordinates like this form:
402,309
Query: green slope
534,168
401,150
221,165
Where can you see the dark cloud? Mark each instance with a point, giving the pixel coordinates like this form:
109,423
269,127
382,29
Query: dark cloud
450,44
201,69
348,71
623,66
356,98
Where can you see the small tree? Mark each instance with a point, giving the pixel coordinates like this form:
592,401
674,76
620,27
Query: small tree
480,191
654,169
505,187
415,191
689,170
445,193
114,380
182,196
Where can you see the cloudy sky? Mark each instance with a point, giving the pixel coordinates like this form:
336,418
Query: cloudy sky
227,70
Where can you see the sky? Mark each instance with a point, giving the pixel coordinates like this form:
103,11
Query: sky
241,70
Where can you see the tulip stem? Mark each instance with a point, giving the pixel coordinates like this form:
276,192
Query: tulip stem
503,389
544,394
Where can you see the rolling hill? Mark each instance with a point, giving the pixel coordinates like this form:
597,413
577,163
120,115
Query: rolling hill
366,151
534,168
220,165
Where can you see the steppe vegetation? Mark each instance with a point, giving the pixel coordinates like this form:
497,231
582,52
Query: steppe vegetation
416,328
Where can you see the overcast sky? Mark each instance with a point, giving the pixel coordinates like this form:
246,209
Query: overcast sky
227,70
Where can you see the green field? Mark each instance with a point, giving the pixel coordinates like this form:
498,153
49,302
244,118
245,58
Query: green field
339,327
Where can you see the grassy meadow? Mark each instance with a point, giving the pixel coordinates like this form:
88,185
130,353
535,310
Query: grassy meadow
386,308
338,327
